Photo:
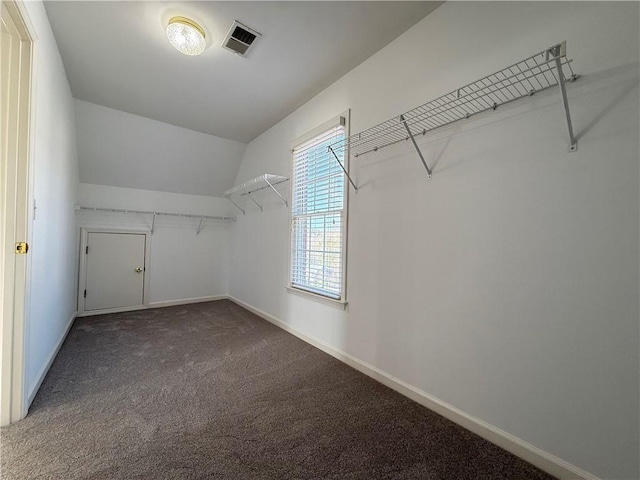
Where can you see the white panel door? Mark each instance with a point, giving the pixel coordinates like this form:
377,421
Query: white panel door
115,270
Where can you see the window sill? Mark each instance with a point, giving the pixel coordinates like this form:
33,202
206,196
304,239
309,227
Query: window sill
329,301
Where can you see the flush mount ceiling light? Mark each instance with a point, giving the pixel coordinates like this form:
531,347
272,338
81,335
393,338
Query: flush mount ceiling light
186,36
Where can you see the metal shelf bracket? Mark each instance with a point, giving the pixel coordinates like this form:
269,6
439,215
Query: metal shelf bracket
343,169
237,206
254,201
413,140
559,51
276,191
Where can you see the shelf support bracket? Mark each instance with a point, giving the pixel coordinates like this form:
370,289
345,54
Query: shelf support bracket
236,205
199,227
277,193
413,140
153,223
343,169
558,51
254,201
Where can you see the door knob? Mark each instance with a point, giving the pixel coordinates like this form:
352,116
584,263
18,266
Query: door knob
138,269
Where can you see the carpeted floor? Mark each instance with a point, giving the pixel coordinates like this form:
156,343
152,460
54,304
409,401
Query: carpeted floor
212,391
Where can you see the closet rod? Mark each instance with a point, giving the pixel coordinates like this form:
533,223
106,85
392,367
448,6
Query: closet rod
148,212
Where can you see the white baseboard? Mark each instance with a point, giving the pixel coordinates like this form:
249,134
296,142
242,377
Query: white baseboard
543,460
35,386
185,301
167,303
89,313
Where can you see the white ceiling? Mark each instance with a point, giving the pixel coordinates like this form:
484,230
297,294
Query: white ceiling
116,54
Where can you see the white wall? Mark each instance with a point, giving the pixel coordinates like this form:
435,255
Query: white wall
132,162
53,250
508,285
183,265
123,150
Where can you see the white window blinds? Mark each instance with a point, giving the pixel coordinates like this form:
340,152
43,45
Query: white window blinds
318,220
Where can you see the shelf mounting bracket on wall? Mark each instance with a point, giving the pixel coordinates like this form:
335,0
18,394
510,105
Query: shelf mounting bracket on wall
413,140
276,191
533,74
199,227
153,223
343,169
254,201
559,51
237,206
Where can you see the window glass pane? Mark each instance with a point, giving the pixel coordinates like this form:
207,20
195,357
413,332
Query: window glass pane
317,209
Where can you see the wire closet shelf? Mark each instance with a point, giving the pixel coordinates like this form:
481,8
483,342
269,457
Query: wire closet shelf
154,214
541,71
262,182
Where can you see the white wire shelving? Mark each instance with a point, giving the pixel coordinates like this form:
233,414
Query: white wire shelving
536,73
264,181
154,214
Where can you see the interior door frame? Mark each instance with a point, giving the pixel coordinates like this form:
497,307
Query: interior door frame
82,270
14,292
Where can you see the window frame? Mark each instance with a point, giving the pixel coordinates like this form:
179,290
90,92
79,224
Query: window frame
342,119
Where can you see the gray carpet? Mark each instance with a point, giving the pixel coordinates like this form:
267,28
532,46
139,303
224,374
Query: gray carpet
212,391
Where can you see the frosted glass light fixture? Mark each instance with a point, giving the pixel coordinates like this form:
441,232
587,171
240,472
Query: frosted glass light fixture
186,36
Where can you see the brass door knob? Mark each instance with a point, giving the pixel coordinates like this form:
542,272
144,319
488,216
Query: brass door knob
138,269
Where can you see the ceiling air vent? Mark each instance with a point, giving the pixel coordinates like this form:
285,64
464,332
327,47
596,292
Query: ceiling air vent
240,38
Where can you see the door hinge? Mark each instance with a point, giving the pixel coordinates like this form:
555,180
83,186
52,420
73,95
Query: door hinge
86,250
22,248
85,294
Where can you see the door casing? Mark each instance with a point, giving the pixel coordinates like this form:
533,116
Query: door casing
17,214
82,277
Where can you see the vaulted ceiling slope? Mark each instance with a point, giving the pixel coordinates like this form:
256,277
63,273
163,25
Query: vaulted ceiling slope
116,54
123,150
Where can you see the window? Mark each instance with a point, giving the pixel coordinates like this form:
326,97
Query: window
318,215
